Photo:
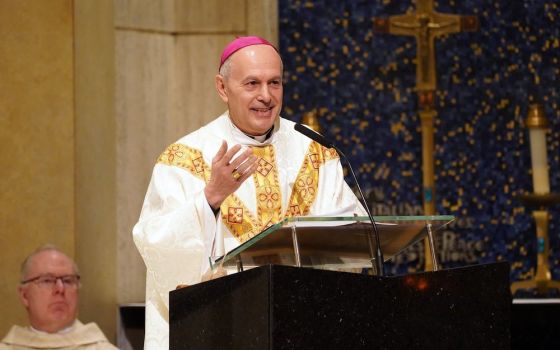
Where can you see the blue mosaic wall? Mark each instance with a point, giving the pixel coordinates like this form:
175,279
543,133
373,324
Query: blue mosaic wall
362,85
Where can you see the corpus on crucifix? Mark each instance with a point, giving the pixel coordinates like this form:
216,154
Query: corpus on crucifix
425,25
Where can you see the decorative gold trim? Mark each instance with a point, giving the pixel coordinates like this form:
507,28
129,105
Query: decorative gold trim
235,215
267,187
238,219
186,158
306,185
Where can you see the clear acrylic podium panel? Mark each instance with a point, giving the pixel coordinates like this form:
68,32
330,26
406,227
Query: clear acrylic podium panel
332,243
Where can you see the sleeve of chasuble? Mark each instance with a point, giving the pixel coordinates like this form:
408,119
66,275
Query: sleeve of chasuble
176,229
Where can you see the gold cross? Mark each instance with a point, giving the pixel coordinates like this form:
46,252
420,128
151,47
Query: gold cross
425,24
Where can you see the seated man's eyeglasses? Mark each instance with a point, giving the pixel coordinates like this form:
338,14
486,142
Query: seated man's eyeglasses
49,282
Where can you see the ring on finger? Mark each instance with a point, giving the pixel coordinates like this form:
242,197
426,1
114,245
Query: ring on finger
236,175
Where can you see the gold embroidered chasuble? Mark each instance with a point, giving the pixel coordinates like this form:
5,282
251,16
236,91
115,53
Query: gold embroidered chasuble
235,215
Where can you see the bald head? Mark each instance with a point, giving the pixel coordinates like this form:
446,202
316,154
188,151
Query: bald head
26,265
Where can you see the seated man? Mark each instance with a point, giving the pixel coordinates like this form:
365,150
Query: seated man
49,291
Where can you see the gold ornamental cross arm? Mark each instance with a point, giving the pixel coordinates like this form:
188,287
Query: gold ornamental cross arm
425,24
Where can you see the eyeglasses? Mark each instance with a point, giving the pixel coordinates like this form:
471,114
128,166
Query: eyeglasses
49,282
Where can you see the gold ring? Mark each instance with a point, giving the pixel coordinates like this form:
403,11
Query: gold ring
236,175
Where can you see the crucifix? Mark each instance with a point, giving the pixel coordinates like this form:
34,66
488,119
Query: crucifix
425,25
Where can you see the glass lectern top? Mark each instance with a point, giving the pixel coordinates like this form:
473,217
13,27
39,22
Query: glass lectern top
321,241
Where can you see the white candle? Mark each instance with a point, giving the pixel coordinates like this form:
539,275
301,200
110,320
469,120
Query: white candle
539,160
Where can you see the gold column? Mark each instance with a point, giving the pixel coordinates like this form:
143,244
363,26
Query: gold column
428,182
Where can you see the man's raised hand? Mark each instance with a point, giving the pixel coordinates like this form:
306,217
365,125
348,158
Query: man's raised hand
227,174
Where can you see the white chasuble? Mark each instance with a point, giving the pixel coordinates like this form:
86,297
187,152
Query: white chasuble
80,337
177,232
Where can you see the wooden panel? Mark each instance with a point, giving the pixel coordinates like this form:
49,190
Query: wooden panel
262,19
144,64
181,16
197,64
144,81
211,16
145,14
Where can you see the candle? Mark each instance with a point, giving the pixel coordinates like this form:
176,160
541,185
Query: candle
539,161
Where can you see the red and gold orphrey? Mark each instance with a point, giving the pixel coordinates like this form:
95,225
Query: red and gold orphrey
235,215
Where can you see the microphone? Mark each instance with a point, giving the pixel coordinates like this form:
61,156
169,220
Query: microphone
320,139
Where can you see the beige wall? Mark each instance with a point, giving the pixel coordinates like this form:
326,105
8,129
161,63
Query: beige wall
90,93
36,138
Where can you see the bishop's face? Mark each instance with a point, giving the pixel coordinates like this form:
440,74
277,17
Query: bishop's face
253,88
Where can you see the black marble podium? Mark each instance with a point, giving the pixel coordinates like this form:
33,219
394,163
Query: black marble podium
280,307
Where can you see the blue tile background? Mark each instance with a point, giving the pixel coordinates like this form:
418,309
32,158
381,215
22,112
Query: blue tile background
362,85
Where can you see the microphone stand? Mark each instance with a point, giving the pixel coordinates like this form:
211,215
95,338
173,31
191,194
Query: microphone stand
378,255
